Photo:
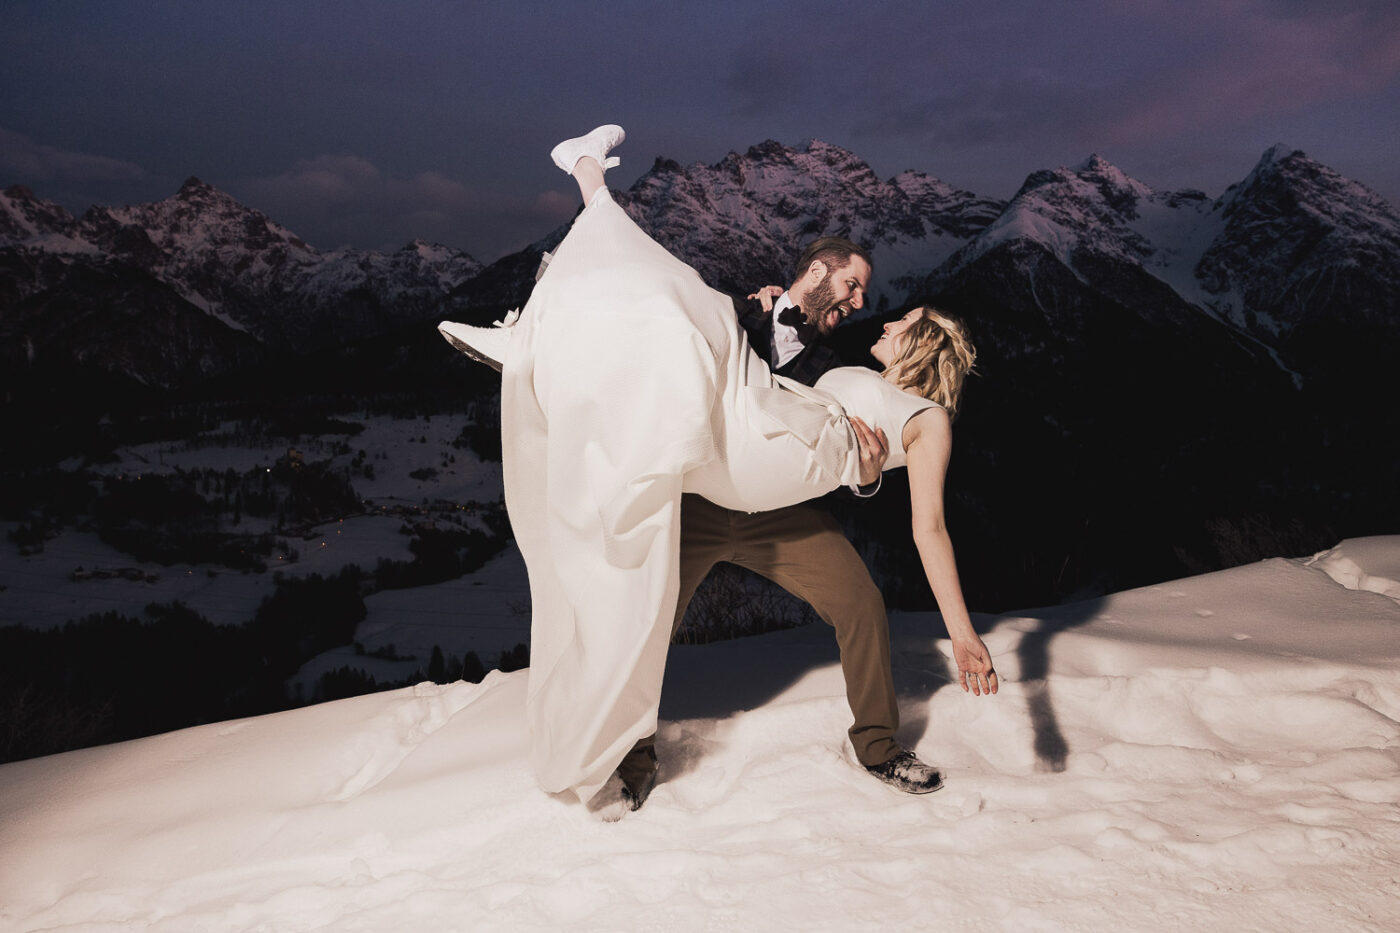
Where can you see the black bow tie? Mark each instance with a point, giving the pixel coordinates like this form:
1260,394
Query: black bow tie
793,317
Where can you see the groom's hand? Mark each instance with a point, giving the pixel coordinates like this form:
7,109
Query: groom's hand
874,450
766,295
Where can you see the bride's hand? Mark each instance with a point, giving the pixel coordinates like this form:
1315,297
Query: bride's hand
975,672
766,295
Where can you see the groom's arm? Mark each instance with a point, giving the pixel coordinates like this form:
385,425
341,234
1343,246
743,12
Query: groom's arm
754,314
751,314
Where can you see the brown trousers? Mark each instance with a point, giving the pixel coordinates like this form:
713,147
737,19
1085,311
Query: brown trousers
802,549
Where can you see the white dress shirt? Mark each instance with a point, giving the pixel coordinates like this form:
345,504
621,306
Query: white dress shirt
786,344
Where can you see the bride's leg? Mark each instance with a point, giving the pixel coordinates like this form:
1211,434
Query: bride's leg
589,175
586,159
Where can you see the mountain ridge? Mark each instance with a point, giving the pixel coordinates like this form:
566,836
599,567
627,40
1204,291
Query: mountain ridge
271,292
1292,244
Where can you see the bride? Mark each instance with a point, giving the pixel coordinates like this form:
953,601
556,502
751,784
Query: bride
626,381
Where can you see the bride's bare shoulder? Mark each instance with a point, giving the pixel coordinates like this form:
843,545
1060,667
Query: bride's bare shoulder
931,426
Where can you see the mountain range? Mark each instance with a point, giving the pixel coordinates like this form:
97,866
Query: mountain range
194,286
1292,250
1169,382
1219,369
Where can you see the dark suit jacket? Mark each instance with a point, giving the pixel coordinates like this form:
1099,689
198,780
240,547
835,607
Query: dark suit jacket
806,367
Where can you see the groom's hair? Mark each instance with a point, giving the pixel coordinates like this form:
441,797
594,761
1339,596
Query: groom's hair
834,252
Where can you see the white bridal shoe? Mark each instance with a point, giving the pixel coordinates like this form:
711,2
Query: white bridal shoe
488,344
596,144
483,344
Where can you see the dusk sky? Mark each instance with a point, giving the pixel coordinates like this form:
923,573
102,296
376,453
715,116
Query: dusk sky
368,124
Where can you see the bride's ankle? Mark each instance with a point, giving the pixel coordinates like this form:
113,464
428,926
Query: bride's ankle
589,175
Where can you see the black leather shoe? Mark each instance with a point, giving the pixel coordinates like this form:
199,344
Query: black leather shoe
907,773
638,773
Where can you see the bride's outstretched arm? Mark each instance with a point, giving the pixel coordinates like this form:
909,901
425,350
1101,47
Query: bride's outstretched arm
928,439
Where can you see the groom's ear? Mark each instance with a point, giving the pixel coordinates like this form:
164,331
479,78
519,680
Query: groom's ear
816,272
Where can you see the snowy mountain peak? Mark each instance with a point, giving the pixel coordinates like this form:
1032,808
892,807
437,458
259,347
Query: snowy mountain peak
744,219
213,267
1113,182
1302,246
837,157
1279,152
819,161
25,216
437,254
1286,172
769,148
1094,173
1088,213
196,224
193,188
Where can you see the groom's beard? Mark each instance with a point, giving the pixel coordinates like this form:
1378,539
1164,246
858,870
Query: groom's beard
819,307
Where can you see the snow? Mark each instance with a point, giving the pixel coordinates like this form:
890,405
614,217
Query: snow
1024,222
1218,752
61,244
1363,564
40,593
487,612
39,590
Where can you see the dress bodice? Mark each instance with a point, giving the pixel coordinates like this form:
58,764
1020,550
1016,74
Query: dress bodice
865,395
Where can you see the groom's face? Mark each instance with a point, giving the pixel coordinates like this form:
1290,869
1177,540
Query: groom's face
839,293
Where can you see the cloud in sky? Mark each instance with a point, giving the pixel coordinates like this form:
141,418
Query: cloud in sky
982,94
332,200
1118,71
1256,61
21,157
328,183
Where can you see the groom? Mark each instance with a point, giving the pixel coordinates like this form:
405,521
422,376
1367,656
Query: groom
802,548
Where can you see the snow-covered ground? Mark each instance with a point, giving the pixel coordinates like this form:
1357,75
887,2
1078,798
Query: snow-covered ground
39,590
1217,753
486,612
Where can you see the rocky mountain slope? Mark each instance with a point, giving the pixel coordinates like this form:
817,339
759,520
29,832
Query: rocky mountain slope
1283,257
1275,265
1304,256
1291,252
743,221
194,285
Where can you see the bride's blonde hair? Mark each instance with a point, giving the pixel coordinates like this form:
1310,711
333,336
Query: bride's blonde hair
935,359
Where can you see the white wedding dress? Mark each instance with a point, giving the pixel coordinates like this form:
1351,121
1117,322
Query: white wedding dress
626,382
